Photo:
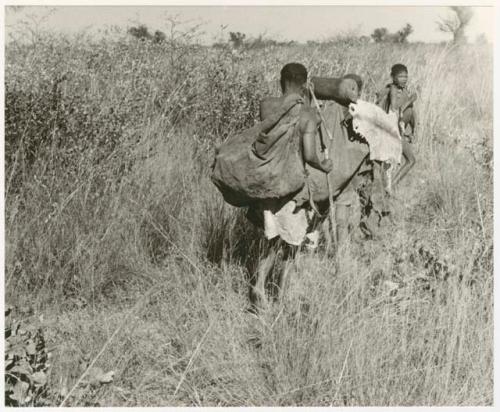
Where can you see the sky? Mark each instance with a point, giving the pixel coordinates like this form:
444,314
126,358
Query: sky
300,23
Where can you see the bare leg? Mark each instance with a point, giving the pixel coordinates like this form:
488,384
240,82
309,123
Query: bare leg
288,259
342,220
410,119
365,193
342,235
413,122
327,230
264,268
409,163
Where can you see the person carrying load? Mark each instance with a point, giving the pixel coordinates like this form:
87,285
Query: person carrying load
263,168
293,218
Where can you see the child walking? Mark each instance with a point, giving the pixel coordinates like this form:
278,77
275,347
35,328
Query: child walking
395,97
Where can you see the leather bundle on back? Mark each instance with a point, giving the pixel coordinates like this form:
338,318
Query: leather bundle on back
264,161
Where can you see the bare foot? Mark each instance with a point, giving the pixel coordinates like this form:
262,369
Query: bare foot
258,299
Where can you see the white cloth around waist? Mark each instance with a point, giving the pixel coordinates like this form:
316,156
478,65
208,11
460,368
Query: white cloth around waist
290,225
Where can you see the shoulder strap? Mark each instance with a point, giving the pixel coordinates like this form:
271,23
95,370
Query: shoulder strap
316,104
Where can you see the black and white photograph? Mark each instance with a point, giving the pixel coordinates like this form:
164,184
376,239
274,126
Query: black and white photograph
248,204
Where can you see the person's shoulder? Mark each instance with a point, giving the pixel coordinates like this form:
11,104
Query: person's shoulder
384,90
308,118
406,92
270,101
307,113
269,105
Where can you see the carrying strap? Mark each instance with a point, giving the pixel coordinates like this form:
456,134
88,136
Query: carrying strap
320,112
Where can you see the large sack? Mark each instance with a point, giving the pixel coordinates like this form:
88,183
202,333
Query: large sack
276,170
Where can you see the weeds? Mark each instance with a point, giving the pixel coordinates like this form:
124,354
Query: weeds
26,364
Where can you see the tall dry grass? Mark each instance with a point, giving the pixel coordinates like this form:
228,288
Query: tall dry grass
108,195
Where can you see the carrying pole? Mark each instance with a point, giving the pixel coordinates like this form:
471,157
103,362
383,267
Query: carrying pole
327,156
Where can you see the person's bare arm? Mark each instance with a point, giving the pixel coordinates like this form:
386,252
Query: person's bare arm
393,98
411,99
309,130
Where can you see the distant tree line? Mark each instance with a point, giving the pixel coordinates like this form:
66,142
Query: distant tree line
454,24
141,32
382,35
239,41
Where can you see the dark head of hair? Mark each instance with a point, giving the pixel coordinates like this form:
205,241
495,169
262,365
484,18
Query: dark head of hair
356,78
398,68
294,73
